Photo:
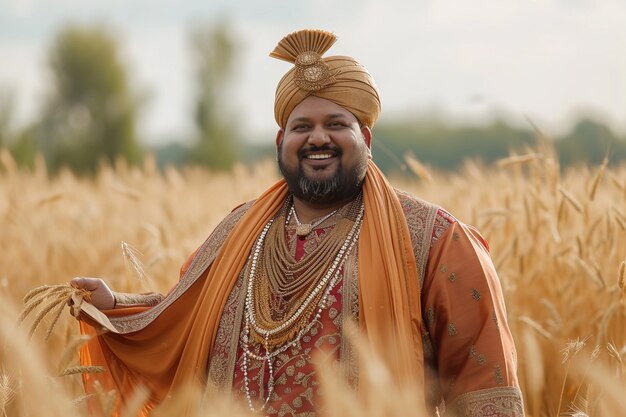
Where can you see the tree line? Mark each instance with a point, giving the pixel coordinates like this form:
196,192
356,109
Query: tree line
446,148
90,116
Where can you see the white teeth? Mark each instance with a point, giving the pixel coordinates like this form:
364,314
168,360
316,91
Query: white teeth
319,156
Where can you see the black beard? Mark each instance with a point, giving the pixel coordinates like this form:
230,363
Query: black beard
343,186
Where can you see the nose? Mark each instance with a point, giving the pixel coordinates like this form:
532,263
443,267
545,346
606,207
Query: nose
318,137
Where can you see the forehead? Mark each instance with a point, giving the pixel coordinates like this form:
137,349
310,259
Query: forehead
316,107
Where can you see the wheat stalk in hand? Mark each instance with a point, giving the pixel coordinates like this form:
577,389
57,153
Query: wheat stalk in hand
49,300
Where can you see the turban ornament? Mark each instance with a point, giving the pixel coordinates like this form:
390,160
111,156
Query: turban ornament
340,79
312,73
305,49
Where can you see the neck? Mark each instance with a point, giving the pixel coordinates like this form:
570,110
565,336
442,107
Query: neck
308,212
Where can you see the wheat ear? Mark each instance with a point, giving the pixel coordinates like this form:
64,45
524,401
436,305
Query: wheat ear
35,297
57,296
43,312
598,178
73,370
536,326
82,398
30,294
107,399
418,168
55,318
136,402
68,354
7,391
132,260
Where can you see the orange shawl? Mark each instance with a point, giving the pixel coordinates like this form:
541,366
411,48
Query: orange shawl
173,350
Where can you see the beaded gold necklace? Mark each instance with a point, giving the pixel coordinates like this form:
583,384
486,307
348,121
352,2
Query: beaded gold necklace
308,291
298,284
303,229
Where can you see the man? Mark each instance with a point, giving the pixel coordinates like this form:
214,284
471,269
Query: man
278,279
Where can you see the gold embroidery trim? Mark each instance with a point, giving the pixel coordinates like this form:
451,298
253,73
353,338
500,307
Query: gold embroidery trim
222,358
234,339
350,312
500,402
420,217
123,299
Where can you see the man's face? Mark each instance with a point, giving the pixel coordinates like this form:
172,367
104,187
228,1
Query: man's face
323,152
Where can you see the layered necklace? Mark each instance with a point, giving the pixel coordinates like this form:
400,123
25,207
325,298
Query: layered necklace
303,286
303,229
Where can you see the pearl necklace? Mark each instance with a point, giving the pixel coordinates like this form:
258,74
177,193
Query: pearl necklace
303,229
250,320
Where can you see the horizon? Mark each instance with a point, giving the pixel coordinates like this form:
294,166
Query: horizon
548,61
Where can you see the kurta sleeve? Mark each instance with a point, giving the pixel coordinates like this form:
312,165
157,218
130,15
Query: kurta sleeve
124,300
465,316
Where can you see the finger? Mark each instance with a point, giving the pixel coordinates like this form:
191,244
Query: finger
88,284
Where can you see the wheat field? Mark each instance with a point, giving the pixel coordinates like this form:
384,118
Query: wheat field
558,240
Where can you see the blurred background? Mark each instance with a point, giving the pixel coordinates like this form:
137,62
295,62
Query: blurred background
190,82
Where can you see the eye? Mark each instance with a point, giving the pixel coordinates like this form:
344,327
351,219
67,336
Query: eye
336,124
300,127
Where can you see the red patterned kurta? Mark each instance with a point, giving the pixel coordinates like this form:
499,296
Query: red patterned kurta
470,361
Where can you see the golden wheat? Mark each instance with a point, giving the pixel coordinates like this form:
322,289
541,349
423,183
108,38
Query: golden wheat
558,239
598,177
136,402
7,391
70,351
74,370
106,399
57,297
418,168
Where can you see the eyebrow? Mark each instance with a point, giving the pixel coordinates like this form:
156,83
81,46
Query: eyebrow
330,116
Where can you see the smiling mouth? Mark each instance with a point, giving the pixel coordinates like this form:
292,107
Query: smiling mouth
319,156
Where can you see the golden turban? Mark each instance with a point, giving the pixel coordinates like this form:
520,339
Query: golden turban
340,79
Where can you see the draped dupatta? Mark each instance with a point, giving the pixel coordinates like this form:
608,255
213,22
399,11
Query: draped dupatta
170,350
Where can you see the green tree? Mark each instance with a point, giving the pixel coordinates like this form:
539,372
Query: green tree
21,141
23,147
91,112
589,141
213,51
6,114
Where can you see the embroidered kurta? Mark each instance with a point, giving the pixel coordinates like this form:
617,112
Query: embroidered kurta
469,353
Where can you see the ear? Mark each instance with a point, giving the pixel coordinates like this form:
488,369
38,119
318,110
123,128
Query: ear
367,136
280,135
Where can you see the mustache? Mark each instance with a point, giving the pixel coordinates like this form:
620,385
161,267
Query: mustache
325,148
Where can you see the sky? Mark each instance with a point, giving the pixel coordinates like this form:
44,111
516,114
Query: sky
462,61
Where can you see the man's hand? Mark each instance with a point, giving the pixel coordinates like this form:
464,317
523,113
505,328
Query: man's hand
101,295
